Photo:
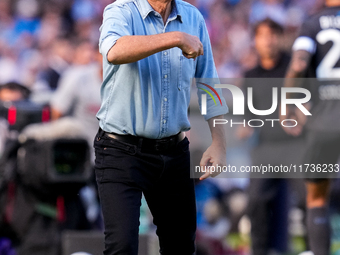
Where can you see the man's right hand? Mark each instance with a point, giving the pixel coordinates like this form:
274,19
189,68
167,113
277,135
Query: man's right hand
191,46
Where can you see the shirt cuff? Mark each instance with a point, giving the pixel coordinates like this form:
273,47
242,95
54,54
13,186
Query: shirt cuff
216,111
304,43
106,45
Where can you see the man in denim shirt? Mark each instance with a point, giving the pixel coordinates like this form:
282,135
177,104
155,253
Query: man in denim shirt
151,50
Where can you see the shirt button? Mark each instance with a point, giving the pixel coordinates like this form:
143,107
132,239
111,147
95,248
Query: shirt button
165,76
165,99
164,121
165,53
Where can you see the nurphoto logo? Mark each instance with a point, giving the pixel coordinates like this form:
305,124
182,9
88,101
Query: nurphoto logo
238,106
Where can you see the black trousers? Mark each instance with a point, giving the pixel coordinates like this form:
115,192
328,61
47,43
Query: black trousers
123,173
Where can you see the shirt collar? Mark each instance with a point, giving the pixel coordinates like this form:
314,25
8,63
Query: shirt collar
145,8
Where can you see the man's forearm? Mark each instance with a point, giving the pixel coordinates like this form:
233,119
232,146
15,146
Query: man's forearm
297,69
216,153
218,133
129,49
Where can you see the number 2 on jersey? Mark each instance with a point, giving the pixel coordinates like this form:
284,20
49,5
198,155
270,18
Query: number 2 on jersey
326,67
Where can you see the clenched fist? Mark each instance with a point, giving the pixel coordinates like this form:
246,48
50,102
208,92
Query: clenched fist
191,46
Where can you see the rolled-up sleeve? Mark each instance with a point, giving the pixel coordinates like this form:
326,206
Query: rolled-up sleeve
116,23
206,69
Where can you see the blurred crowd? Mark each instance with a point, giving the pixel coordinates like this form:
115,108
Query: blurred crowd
39,40
230,24
50,47
38,37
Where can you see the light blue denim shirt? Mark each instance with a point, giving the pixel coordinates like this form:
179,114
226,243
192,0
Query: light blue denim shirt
150,98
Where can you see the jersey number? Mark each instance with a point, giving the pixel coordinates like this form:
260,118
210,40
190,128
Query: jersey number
326,67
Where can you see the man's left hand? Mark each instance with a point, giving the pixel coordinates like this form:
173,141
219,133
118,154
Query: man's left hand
215,156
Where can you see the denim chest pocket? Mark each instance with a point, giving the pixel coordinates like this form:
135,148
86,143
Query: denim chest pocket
185,72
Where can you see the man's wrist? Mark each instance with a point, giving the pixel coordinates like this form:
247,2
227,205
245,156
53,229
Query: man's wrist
220,144
178,39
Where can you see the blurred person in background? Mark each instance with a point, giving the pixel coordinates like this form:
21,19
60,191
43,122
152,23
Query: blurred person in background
60,56
212,235
12,92
74,105
268,198
67,60
8,63
78,93
316,54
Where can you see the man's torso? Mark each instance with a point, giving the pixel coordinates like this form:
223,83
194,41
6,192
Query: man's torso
150,97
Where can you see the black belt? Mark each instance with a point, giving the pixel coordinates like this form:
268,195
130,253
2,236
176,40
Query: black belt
162,144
